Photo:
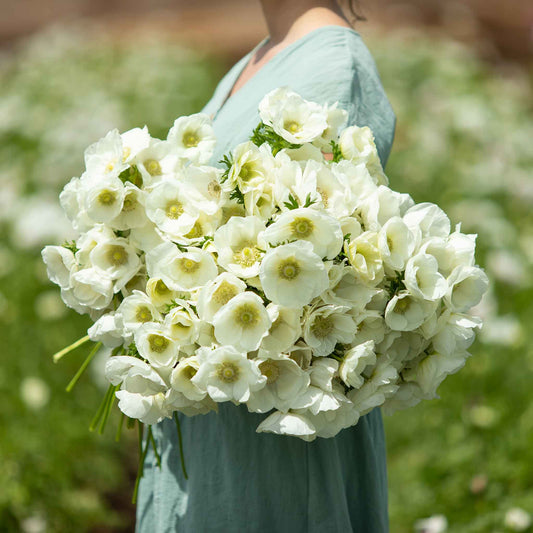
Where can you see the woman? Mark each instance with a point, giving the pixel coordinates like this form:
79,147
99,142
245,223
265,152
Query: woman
240,480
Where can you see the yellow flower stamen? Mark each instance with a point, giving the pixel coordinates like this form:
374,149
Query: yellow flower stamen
246,315
188,265
143,314
190,139
117,255
158,343
270,370
153,167
288,269
224,293
174,209
322,326
107,197
228,372
301,227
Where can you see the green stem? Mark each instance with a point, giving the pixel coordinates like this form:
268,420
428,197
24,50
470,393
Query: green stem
178,427
100,411
130,423
109,405
140,469
57,356
82,368
154,446
119,427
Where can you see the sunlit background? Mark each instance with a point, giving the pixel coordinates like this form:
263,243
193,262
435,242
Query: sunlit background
459,76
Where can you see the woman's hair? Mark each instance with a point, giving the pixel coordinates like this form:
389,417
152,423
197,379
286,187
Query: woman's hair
352,8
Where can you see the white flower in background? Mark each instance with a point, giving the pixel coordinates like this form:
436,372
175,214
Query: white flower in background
156,345
107,330
217,293
34,392
168,206
193,137
365,257
325,326
293,424
105,157
59,262
228,375
292,274
396,243
117,259
181,271
157,161
242,322
182,324
291,117
382,205
516,519
133,214
432,370
136,310
467,284
160,295
103,198
407,395
49,306
251,166
285,381
90,288
181,376
142,392
336,118
379,386
239,246
72,204
429,218
284,331
329,423
406,313
355,361
433,524
133,142
454,332
322,231
423,279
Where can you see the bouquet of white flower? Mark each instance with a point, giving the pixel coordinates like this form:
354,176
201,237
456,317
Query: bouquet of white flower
292,279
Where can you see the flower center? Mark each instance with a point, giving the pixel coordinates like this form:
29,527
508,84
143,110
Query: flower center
288,269
302,227
160,288
246,315
247,256
270,370
188,265
116,255
189,372
228,372
126,152
130,202
214,189
196,231
247,172
402,305
153,167
292,126
322,326
158,343
174,209
143,314
107,197
324,195
224,293
110,166
190,139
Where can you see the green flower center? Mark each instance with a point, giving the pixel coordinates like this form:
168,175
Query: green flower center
270,370
107,197
292,126
190,139
214,189
402,305
228,372
224,293
322,326
130,202
153,167
196,231
247,256
246,315
289,269
143,314
188,265
116,255
189,372
158,343
174,209
302,227
160,288
247,172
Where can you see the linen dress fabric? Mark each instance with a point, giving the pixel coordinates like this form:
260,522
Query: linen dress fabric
240,480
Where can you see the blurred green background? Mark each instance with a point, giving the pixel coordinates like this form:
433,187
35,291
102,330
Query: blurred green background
462,464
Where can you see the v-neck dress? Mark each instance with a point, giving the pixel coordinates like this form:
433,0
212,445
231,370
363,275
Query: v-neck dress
240,480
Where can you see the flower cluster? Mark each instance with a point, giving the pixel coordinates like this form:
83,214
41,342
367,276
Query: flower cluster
292,280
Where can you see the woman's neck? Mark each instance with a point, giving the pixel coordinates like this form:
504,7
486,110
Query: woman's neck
287,20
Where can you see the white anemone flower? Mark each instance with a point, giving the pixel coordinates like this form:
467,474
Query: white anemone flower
72,201
293,424
135,310
382,205
285,381
103,198
181,271
259,202
283,333
117,259
347,290
242,322
336,118
292,180
329,423
239,246
106,156
204,189
354,363
133,142
292,274
90,287
408,395
181,377
454,332
250,168
217,293
423,279
59,262
467,284
156,345
147,237
183,324
228,375
322,231
142,392
168,206
396,243
157,161
160,295
193,137
334,192
133,214
325,326
434,368
99,234
406,313
365,257
358,180
430,218
297,120
107,330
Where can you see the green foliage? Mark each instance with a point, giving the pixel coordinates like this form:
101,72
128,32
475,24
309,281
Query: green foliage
265,134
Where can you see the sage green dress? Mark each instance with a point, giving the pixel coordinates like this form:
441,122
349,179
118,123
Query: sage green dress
240,480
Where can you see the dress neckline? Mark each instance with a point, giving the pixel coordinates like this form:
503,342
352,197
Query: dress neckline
227,97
